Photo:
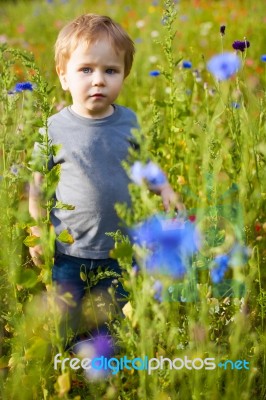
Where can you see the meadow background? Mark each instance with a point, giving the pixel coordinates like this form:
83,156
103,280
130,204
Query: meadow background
210,139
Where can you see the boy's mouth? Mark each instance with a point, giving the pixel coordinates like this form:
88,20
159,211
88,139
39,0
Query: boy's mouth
97,95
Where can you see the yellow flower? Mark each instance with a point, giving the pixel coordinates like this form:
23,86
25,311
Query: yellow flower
181,180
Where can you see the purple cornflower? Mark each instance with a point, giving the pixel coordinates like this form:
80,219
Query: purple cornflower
187,64
155,73
241,45
263,57
149,172
222,30
223,66
96,349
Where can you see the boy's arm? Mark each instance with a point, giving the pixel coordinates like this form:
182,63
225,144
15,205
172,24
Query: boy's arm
170,198
36,212
157,182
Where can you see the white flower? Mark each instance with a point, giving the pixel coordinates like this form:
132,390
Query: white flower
153,59
140,23
154,34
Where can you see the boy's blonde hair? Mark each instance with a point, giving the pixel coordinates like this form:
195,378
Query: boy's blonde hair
89,28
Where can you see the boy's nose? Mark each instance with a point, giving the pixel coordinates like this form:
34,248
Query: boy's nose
98,79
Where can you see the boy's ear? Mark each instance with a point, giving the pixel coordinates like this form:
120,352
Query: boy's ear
62,77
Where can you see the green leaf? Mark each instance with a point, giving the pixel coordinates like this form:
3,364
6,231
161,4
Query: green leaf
55,148
123,250
31,241
27,278
65,237
64,206
52,179
38,349
83,276
63,384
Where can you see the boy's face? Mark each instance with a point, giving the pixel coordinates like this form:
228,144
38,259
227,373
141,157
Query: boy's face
94,76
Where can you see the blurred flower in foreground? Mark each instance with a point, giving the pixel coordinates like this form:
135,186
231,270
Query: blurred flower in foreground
241,45
238,256
169,242
149,172
263,57
158,288
221,263
222,30
100,346
155,73
223,66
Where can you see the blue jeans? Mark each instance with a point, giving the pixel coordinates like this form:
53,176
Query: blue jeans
66,275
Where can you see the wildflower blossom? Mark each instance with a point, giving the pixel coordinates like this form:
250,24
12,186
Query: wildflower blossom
149,172
218,272
241,45
21,86
186,64
170,244
14,169
222,30
100,346
234,104
153,59
223,66
154,34
263,58
237,256
140,24
155,73
158,288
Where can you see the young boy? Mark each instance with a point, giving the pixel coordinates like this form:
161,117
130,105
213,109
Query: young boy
93,56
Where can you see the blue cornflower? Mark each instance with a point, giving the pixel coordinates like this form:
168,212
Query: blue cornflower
154,73
187,64
158,289
221,263
223,66
170,244
149,172
21,86
234,104
263,57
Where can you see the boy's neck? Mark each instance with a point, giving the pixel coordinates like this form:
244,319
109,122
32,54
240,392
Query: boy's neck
89,115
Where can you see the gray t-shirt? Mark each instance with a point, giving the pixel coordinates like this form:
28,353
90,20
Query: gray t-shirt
92,178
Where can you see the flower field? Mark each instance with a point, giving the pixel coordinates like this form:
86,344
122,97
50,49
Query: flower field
194,324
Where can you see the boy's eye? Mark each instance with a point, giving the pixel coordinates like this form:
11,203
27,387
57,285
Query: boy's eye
110,71
86,70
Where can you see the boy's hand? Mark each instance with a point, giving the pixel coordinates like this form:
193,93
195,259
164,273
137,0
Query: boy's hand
36,252
171,199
